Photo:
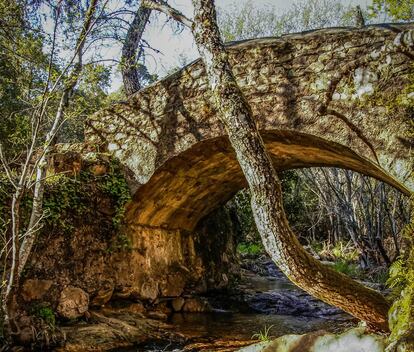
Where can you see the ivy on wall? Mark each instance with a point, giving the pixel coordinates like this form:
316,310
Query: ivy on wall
71,199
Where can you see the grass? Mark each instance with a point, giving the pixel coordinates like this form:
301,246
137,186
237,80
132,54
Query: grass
263,335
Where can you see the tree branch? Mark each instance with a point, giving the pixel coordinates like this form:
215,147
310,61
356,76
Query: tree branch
162,6
6,167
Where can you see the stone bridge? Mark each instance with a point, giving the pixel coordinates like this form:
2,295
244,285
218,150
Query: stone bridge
331,97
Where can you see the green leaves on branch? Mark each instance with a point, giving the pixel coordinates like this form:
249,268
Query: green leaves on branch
396,9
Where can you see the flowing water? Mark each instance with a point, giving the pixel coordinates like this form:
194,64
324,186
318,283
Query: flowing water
234,321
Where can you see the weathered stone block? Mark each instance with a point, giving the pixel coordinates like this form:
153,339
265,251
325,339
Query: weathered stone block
73,303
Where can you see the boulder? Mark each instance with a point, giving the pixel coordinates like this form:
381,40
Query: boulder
136,308
103,295
34,289
196,305
163,307
177,304
173,286
149,290
73,303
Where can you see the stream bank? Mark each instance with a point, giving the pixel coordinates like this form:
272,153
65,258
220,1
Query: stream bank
261,299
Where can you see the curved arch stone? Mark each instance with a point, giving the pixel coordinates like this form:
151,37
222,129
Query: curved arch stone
189,186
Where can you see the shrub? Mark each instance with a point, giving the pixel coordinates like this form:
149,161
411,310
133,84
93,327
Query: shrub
249,248
347,268
46,314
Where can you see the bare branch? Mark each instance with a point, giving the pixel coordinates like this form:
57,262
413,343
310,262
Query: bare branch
162,6
6,166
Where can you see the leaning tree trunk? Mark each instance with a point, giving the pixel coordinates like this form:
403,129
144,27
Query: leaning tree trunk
278,238
130,74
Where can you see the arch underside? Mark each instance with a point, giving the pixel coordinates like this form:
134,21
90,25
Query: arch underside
189,186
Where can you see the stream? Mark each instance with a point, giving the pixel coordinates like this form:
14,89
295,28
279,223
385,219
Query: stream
265,301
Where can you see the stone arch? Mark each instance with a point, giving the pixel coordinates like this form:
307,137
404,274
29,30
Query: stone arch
191,185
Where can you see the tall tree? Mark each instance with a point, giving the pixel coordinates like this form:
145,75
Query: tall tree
129,62
279,240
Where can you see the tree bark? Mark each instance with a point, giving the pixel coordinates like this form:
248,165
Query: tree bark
278,238
9,304
130,75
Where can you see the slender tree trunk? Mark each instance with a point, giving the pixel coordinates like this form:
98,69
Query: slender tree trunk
130,74
9,304
41,171
279,240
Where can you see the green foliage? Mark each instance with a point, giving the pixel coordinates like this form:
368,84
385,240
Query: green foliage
248,232
344,252
6,190
401,273
65,196
380,275
115,185
250,248
296,200
22,65
397,275
347,268
401,314
46,314
396,9
144,76
263,335
89,96
72,195
401,280
68,198
25,49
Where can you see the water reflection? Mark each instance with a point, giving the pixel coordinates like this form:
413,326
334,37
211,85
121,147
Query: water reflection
243,326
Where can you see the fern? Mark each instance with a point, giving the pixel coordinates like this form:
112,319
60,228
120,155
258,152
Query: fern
401,279
397,276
